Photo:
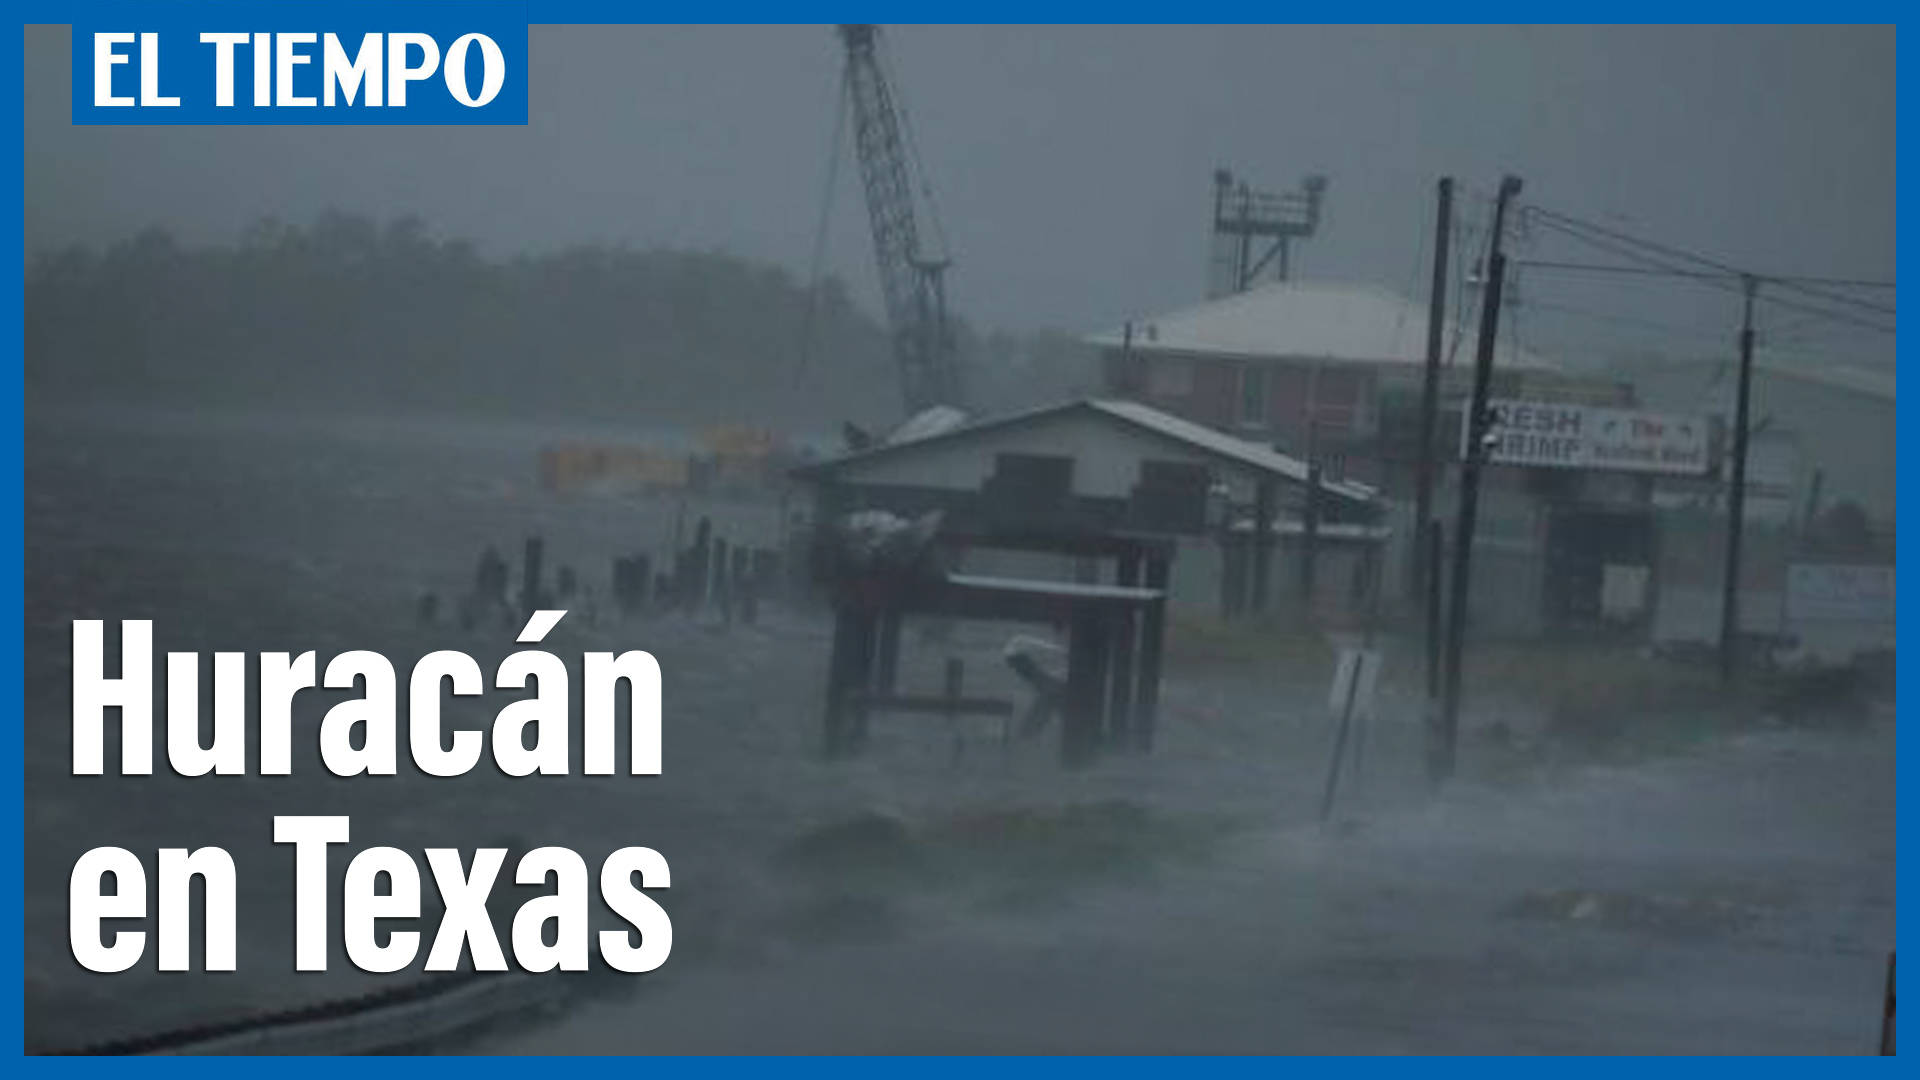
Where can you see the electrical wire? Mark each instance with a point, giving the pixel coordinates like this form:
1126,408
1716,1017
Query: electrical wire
1469,232
1666,328
817,266
1797,284
1413,281
883,58
1727,279
1603,268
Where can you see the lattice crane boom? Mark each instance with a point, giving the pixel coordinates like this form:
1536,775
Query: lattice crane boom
912,282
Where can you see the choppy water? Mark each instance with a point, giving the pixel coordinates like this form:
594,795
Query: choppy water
989,901
259,533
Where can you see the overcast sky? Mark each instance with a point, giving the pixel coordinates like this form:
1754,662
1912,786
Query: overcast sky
1072,164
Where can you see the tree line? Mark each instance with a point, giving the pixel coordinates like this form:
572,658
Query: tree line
350,313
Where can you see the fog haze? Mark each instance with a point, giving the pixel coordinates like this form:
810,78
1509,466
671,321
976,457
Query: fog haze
1071,164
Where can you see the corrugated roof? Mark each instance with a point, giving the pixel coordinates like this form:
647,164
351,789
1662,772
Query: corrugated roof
1220,444
926,422
1361,324
1165,425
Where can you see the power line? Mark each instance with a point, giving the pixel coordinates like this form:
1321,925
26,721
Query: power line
818,262
1725,278
1604,268
1674,329
1599,268
1791,282
1467,232
1413,278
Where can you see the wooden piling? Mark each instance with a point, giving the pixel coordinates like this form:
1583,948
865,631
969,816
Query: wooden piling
849,676
720,585
1153,638
746,585
955,677
1309,540
530,571
1263,503
698,566
1124,690
886,666
1087,684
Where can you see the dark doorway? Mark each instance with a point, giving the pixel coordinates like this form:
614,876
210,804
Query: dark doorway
1598,567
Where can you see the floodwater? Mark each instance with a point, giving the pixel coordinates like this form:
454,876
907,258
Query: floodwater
950,890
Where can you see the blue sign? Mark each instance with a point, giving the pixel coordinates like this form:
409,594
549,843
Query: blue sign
301,63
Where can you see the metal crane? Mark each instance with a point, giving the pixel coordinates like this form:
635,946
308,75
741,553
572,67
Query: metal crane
912,280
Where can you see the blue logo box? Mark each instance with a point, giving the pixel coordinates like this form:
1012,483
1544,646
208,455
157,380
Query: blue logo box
301,63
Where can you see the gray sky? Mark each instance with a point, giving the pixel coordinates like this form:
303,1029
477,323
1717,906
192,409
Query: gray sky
1072,164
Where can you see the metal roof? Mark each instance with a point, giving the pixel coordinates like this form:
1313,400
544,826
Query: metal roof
1344,323
1198,437
1220,444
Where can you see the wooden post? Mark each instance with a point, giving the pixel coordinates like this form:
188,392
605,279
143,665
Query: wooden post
1478,427
699,561
1086,689
1233,576
1340,740
1434,538
1122,641
530,572
1153,637
955,677
719,587
1263,501
1126,647
746,585
1424,470
849,673
833,737
1737,495
1309,539
886,667
1886,1019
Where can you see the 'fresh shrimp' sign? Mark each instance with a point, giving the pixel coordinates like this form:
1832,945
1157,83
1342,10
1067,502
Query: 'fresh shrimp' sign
1548,435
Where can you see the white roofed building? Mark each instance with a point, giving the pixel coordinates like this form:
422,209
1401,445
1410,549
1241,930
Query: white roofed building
1107,467
1333,373
1331,370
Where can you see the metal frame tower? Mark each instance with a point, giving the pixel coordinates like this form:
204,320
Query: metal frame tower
1243,216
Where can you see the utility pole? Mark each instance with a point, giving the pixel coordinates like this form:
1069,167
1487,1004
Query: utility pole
1737,490
1475,454
1430,388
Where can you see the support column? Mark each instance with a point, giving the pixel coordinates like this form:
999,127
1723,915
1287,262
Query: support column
1263,504
1153,636
1087,683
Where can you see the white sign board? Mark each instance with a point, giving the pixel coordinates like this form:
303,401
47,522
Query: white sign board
1355,674
1546,435
1827,592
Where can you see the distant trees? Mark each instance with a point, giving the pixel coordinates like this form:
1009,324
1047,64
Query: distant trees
1845,532
349,313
